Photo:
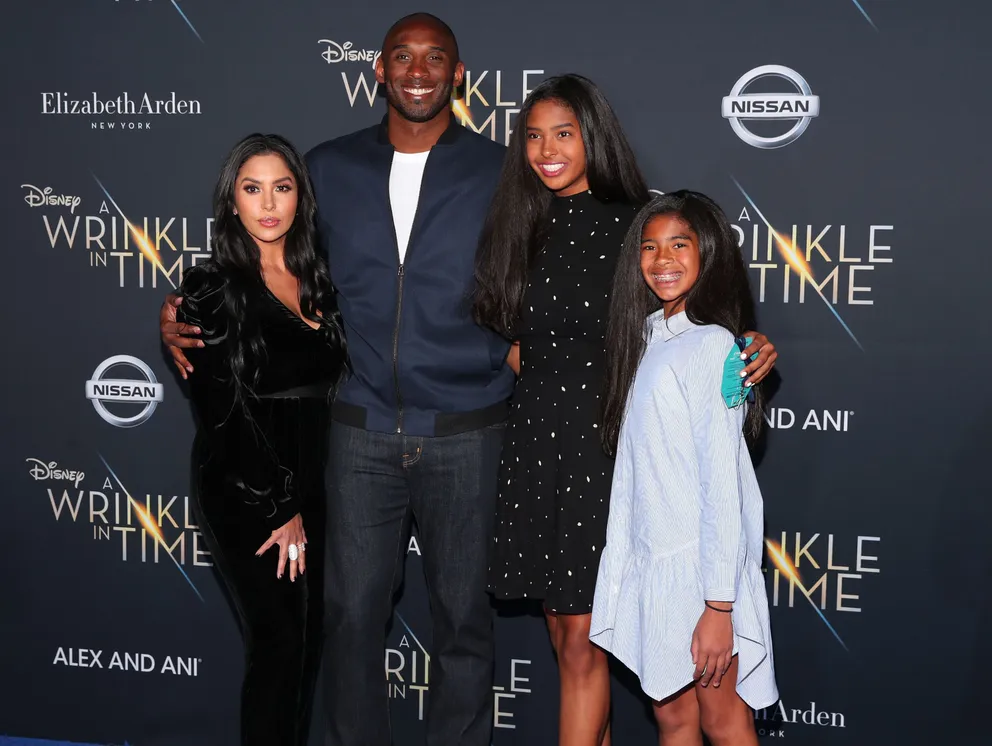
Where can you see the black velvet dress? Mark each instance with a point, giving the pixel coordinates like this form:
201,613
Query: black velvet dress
555,478
258,460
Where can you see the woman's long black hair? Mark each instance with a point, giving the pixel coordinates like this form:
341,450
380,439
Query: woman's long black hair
721,295
237,257
517,222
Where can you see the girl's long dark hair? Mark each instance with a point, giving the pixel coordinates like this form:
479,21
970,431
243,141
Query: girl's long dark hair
516,225
721,295
237,258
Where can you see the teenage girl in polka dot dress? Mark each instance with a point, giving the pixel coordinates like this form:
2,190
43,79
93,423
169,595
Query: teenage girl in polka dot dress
569,190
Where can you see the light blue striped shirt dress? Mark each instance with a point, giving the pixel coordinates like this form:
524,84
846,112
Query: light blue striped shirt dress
685,520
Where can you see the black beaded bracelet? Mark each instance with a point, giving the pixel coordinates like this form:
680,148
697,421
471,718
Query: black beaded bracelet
716,608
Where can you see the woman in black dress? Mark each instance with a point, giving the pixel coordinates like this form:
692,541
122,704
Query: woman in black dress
569,190
273,350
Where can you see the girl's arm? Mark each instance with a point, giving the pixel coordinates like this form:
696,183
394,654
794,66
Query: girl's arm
513,358
716,431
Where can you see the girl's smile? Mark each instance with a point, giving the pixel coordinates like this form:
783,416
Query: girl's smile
670,260
555,149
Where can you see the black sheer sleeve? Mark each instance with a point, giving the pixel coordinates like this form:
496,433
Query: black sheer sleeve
237,429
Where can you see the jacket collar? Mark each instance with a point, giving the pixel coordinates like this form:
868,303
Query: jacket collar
448,137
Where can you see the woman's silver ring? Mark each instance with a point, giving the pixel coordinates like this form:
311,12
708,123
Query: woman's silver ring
294,553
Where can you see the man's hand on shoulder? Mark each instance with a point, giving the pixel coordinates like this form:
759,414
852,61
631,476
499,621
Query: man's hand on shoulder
177,335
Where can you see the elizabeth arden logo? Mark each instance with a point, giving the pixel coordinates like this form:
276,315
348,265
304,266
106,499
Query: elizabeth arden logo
770,720
126,111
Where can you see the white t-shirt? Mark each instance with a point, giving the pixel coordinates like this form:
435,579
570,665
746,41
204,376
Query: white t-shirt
404,193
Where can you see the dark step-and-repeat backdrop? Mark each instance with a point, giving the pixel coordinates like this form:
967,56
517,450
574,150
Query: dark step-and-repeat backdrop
848,141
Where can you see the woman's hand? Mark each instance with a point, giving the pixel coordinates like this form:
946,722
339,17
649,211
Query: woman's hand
762,366
513,358
713,644
290,533
176,335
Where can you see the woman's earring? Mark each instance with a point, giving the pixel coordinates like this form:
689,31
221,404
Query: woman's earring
235,210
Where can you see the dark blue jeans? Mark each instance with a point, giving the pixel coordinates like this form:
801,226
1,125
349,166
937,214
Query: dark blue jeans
377,484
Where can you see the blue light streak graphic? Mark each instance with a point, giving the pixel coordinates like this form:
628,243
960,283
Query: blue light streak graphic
805,274
412,634
174,560
784,565
148,252
822,617
188,22
865,14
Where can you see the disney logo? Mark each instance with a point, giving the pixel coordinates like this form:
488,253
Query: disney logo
40,470
344,53
38,197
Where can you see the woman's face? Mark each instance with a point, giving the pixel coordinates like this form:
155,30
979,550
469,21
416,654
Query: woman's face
555,149
265,198
669,260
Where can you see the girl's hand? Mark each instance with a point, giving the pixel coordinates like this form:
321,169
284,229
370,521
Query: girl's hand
290,532
713,645
763,364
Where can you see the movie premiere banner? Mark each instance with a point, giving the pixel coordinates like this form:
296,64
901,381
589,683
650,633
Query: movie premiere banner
846,139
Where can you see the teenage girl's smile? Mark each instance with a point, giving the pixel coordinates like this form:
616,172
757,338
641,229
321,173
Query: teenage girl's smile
551,169
555,149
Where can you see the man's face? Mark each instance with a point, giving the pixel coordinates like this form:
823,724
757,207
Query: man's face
419,69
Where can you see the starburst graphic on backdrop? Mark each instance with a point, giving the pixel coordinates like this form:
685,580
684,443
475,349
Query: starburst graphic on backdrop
141,240
145,517
781,560
794,258
461,111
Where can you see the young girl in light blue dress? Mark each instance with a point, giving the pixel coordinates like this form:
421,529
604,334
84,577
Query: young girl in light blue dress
680,597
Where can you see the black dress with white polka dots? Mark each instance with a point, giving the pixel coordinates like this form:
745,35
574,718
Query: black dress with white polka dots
554,477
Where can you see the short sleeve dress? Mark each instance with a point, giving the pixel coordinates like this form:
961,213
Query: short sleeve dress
555,477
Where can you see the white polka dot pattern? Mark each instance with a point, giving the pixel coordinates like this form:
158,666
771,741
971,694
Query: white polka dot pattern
555,478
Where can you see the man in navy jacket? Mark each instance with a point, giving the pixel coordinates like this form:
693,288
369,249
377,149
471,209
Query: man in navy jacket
418,426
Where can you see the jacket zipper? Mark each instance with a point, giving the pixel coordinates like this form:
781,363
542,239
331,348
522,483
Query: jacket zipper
399,292
396,351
